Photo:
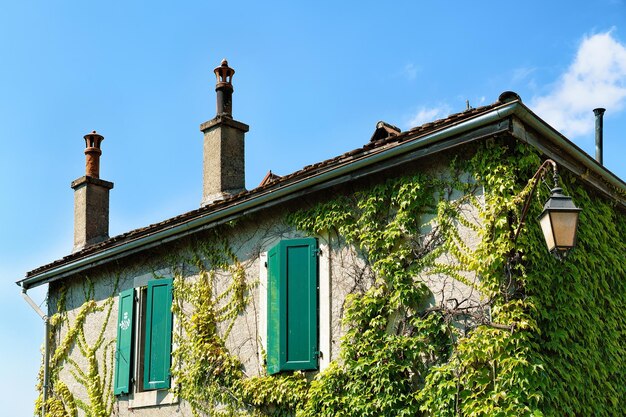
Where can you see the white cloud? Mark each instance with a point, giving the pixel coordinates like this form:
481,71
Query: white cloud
410,71
596,78
425,115
522,73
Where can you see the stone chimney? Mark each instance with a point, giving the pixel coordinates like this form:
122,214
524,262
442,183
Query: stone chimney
91,198
223,168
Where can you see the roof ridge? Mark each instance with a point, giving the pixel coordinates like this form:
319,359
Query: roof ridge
269,185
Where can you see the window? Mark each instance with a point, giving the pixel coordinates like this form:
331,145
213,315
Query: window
292,322
144,338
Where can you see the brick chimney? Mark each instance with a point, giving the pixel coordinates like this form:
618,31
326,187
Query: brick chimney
223,168
91,198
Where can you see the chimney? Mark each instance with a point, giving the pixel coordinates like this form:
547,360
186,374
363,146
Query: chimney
599,112
91,198
223,167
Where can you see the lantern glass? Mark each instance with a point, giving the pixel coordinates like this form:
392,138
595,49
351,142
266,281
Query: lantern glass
559,229
546,228
559,222
564,226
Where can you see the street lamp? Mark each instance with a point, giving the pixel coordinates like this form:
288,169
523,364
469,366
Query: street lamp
559,219
559,222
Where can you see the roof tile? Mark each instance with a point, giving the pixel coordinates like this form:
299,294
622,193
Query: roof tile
277,182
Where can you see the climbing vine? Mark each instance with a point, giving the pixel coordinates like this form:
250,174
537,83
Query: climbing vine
404,229
96,377
204,369
407,229
458,320
208,376
545,338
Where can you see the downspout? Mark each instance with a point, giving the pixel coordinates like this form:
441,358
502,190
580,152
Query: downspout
46,347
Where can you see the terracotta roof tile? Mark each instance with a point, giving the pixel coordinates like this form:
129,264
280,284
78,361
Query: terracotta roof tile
276,182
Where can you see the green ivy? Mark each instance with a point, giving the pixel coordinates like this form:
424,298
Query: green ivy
204,369
97,377
539,338
552,342
208,376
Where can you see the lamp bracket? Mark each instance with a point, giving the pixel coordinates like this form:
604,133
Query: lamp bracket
535,180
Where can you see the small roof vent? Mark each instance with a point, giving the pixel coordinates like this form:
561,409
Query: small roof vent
509,96
384,130
269,178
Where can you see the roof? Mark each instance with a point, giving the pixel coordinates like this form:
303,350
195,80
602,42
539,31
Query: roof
269,178
275,189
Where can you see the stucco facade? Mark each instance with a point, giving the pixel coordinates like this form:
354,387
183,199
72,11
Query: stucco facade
342,270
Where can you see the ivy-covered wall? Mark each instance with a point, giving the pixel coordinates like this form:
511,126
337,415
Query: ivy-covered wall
435,311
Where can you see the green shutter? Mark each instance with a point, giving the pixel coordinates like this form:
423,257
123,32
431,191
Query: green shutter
123,350
301,289
274,303
158,342
292,306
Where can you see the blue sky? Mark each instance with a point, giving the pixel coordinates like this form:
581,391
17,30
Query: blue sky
311,80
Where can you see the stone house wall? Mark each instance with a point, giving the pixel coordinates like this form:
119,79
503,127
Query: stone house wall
342,271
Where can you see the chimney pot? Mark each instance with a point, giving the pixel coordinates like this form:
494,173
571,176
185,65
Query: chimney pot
224,88
92,154
224,73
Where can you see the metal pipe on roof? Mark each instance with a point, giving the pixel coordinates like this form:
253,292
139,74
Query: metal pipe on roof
581,156
599,112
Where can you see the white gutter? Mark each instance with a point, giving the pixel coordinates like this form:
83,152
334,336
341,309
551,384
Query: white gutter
499,113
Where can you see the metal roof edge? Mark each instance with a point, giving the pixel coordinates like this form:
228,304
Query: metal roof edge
530,118
498,113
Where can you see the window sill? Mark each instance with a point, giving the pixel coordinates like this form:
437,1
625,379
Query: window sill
152,399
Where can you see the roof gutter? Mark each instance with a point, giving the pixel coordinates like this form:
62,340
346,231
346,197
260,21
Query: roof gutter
499,113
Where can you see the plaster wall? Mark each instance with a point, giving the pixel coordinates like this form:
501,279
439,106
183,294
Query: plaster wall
342,271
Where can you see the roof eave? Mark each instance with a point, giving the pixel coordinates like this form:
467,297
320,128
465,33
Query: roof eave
561,142
254,202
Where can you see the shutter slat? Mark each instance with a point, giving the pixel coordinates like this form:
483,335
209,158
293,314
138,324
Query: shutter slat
124,344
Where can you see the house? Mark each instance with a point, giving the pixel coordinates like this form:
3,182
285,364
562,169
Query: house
400,278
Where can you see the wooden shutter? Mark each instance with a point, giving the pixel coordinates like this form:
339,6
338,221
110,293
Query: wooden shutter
158,343
124,344
275,299
292,306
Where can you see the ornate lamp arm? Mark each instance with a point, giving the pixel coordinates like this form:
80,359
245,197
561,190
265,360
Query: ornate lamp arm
535,179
